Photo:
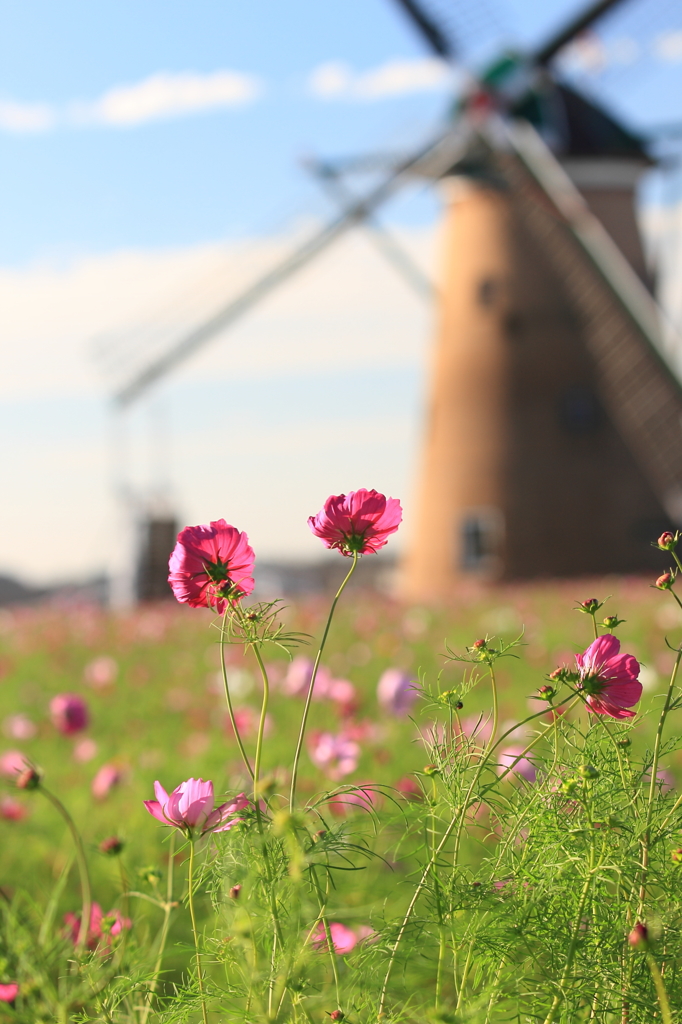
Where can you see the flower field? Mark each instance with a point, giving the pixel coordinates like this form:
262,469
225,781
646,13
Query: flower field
427,857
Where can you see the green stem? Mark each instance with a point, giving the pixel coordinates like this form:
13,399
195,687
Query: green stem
657,978
309,696
86,891
457,817
228,697
575,936
261,724
190,897
653,783
167,909
328,934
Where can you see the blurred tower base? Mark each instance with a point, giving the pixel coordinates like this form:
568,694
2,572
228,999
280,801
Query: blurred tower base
531,462
157,536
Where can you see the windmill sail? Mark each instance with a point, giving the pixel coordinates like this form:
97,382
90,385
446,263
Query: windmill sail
622,325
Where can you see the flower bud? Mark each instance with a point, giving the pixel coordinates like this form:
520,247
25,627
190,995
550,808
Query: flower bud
667,541
479,645
676,856
235,891
151,875
588,772
111,846
570,787
28,779
337,1015
431,769
611,621
546,692
665,582
639,936
624,741
590,606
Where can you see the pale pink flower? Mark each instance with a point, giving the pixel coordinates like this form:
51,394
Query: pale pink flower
364,797
8,993
69,713
11,809
84,750
247,720
101,925
344,939
19,727
335,754
104,781
395,692
12,763
609,678
211,565
101,672
360,521
477,728
511,758
409,788
299,673
343,693
190,807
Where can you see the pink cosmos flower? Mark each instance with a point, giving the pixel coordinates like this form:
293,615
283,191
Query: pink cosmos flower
360,521
511,758
335,754
84,750
19,727
12,763
297,679
101,925
343,939
11,809
69,713
8,993
190,807
395,692
211,565
104,781
101,672
609,678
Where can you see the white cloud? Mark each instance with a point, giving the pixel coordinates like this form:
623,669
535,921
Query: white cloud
161,96
324,339
398,77
165,95
668,46
25,117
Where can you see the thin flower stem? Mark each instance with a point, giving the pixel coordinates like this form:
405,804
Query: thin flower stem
190,899
327,931
575,936
228,697
659,984
81,860
165,927
309,696
457,817
646,839
261,724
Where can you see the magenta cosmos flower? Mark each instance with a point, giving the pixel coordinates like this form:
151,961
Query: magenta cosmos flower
359,522
190,808
211,565
396,692
609,678
344,939
69,713
8,993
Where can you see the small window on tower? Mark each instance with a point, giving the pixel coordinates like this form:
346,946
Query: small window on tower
480,540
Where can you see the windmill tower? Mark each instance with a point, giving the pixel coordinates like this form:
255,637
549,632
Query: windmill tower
550,406
553,443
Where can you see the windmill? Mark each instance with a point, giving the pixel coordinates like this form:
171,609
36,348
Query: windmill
553,444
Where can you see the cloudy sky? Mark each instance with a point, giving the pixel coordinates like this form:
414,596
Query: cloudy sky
152,164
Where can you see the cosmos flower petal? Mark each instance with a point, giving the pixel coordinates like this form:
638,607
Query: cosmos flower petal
155,808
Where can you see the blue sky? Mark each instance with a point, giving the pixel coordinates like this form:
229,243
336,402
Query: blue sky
150,167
